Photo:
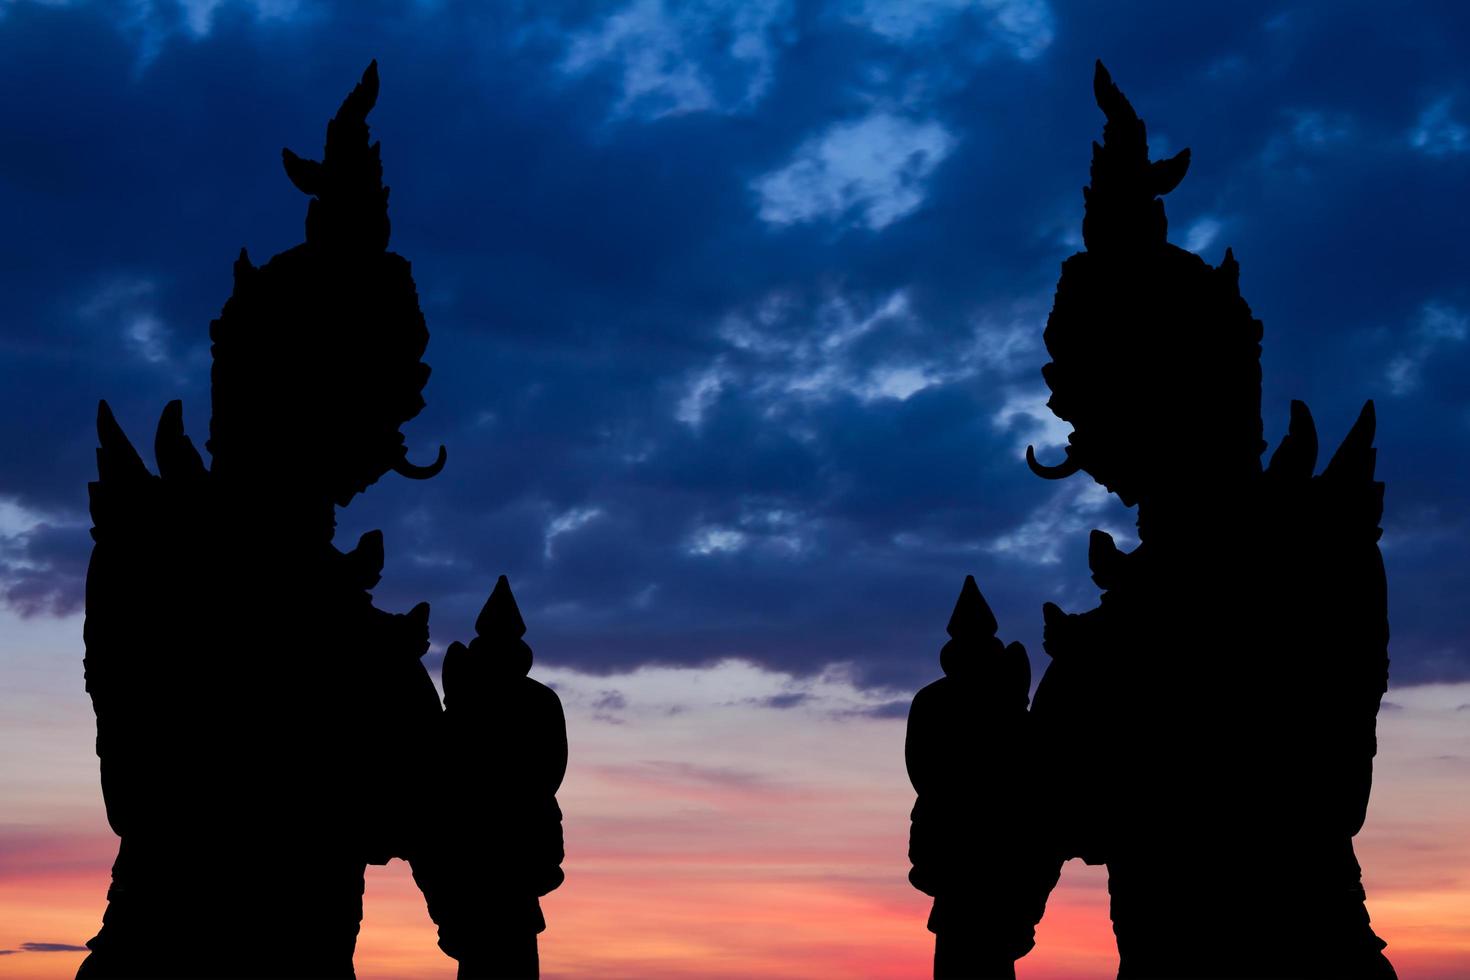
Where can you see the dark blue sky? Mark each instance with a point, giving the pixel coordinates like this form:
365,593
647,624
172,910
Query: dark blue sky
736,307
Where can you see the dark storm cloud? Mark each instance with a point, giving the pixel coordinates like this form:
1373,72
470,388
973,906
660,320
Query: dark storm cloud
736,308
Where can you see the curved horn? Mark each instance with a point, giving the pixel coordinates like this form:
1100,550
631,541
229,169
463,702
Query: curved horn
403,467
1061,471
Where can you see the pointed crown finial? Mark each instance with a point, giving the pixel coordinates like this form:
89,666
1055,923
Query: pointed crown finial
501,617
972,618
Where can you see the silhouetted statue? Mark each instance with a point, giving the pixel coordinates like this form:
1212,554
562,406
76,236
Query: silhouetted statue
1208,730
510,830
973,843
264,731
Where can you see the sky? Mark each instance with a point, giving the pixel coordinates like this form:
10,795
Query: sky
735,314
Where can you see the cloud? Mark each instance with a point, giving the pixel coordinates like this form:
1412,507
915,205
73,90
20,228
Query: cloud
1025,27
1025,414
566,523
609,706
1438,326
701,392
1318,129
1436,133
199,15
731,688
153,24
870,171
714,540
128,305
1201,234
51,948
44,948
787,353
1073,510
681,776
612,700
43,559
1307,140
770,530
893,709
676,58
783,701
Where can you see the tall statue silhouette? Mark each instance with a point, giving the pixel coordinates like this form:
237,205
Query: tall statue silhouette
1208,730
264,730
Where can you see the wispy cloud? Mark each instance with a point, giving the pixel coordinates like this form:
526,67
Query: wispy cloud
701,392
1025,414
789,353
565,523
785,353
1437,133
1306,136
1320,128
199,14
43,557
675,58
758,526
869,172
128,305
1073,509
45,948
1025,27
1202,233
152,24
712,540
1438,326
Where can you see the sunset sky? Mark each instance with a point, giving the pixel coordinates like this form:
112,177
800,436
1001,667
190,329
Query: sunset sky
735,312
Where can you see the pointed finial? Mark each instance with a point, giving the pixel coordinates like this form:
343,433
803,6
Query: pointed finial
1124,209
1355,458
1110,98
1165,175
1296,457
116,457
243,268
972,618
975,655
501,617
349,207
172,449
363,97
305,174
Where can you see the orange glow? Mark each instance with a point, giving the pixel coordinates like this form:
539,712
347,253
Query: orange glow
737,840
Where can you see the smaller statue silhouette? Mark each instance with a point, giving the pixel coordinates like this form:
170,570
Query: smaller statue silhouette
972,840
506,748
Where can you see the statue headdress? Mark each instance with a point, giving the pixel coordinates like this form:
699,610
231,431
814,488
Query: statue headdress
1155,355
318,353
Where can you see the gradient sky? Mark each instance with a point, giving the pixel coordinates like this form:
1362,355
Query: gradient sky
735,314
